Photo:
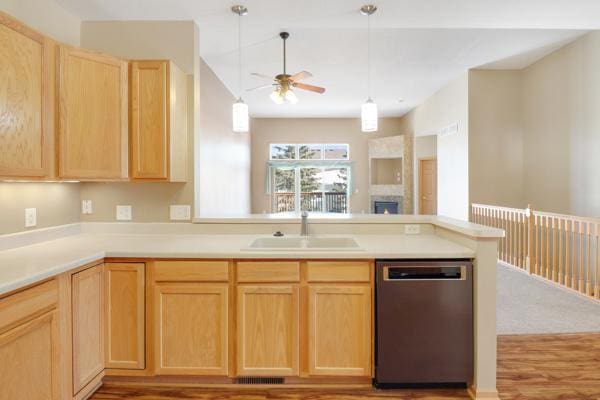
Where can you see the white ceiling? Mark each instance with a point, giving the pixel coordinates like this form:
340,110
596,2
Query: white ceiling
418,45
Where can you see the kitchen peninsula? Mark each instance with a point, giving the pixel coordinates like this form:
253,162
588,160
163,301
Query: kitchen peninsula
197,303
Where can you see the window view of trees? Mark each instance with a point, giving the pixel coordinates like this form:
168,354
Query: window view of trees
319,189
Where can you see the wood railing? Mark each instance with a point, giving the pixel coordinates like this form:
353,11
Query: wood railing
334,202
564,249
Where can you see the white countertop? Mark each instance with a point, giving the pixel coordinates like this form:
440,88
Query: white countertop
25,265
464,227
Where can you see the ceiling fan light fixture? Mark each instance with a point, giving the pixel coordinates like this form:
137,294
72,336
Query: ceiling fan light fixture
368,116
290,97
276,96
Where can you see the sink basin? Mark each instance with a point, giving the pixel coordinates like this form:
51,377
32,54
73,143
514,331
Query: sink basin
300,243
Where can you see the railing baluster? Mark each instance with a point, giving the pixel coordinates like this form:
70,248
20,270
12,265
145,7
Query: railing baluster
561,228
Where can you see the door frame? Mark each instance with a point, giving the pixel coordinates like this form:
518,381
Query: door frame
420,194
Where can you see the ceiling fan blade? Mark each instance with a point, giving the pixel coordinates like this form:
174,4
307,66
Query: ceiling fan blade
311,88
261,87
301,75
262,76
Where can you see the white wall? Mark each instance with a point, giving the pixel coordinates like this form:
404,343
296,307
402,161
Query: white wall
223,155
446,107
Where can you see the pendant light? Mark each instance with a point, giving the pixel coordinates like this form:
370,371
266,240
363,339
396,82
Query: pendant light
240,109
368,115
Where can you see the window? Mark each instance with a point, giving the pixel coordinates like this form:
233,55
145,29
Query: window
309,177
309,151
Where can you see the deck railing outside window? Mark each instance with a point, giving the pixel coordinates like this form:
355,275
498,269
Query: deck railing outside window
562,248
333,202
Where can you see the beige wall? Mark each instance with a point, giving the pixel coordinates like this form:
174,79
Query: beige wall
496,138
171,40
448,106
316,130
224,156
561,103
56,203
47,17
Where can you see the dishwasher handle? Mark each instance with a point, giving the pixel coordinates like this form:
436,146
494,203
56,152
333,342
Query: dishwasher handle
425,273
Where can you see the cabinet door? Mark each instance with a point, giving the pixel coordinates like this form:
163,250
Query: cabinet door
125,305
191,323
92,122
267,323
29,367
25,100
88,325
339,330
149,113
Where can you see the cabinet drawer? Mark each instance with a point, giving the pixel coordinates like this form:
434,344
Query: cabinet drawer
268,271
191,271
19,307
338,271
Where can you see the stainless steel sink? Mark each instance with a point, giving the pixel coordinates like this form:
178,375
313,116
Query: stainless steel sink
306,244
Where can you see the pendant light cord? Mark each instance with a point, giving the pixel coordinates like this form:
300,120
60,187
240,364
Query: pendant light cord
369,55
240,55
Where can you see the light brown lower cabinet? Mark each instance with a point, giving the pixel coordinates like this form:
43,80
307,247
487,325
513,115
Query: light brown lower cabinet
339,330
191,328
29,344
125,315
88,325
267,330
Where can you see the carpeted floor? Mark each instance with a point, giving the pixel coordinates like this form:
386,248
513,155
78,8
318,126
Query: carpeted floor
528,305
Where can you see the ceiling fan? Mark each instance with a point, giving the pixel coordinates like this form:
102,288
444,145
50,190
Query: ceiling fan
284,83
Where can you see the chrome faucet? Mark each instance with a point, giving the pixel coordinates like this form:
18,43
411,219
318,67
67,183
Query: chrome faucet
304,229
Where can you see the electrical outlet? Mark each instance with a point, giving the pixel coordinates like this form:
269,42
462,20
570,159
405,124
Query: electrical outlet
123,213
412,229
30,217
180,212
86,206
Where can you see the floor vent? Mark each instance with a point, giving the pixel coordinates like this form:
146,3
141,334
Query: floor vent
260,380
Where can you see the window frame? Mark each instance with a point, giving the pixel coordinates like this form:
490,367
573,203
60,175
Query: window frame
297,146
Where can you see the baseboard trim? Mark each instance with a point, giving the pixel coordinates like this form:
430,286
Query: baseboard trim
477,394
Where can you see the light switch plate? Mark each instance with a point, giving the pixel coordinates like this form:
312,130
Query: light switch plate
412,229
86,206
180,212
30,217
123,213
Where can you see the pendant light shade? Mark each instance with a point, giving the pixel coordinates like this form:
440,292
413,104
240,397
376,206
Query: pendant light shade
368,116
239,110
240,116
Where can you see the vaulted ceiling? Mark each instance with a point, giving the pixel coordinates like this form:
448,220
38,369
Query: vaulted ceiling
418,45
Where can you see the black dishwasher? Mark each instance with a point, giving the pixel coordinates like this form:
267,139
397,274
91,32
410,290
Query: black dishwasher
424,323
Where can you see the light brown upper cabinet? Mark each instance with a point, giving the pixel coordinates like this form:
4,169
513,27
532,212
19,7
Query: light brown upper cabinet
26,101
92,115
157,121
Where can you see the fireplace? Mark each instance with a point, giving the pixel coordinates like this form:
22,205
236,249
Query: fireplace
386,207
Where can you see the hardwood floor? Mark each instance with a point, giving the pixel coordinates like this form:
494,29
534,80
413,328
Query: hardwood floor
549,367
532,367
